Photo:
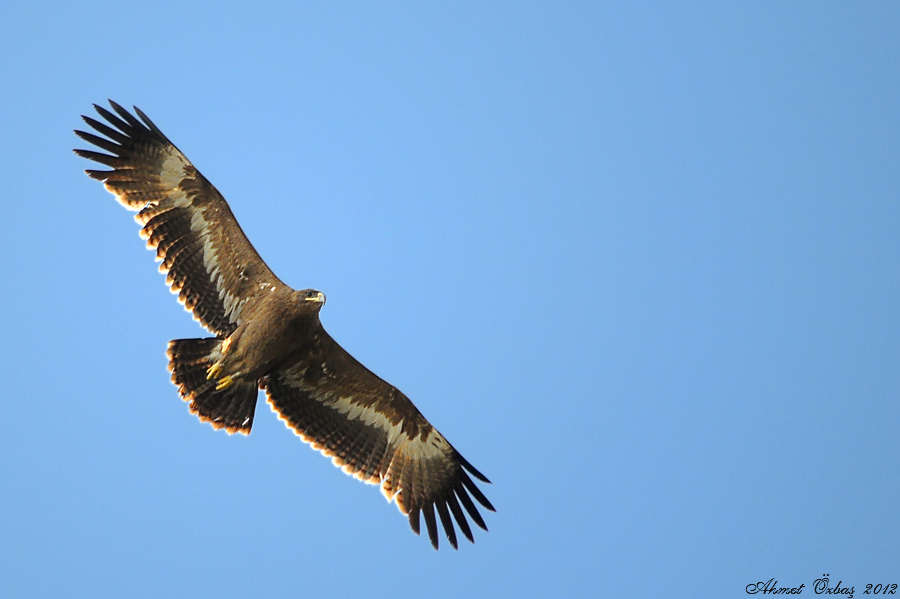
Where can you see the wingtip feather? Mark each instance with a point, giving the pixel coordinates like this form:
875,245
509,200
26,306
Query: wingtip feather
472,470
460,517
476,492
447,523
470,506
431,524
414,522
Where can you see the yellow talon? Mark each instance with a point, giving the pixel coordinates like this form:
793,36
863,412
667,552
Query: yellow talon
213,371
224,383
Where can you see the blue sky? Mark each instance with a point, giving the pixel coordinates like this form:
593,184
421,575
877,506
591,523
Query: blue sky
637,262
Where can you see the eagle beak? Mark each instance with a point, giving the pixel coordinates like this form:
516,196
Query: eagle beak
319,298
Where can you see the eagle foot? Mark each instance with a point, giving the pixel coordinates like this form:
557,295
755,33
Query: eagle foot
226,381
213,371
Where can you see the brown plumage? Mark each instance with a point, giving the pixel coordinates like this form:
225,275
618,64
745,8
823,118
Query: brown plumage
269,336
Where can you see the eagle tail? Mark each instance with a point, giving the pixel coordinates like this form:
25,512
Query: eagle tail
231,408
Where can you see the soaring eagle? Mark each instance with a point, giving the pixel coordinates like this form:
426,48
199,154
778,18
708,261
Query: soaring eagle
268,336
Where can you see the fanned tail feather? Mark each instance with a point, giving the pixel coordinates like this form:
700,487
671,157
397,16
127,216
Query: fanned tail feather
231,408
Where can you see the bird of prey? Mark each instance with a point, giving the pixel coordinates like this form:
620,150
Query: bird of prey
268,336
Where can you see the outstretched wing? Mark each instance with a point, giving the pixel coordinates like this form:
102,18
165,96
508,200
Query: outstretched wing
208,260
375,433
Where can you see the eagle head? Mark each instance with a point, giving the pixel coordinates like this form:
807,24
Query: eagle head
313,296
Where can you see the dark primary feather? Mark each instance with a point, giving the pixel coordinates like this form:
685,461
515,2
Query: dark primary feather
369,428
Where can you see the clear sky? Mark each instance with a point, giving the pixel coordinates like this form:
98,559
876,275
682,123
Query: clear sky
638,263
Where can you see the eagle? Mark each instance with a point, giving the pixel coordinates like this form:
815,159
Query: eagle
268,336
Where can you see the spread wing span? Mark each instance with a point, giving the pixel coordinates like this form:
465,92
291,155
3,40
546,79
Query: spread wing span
269,336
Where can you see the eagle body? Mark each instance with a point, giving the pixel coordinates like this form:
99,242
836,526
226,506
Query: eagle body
276,324
268,336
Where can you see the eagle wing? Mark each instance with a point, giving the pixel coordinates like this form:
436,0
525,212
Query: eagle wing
207,259
375,433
